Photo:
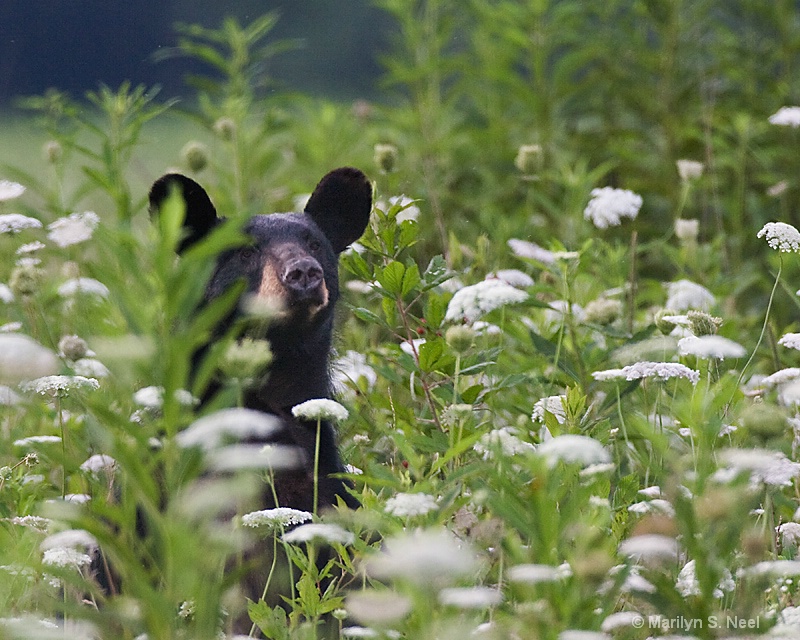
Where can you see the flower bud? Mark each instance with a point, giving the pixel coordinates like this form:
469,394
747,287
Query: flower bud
52,151
460,338
529,159
603,311
195,155
687,230
702,323
386,157
73,347
225,128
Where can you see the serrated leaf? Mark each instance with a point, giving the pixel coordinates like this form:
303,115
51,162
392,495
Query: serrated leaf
391,277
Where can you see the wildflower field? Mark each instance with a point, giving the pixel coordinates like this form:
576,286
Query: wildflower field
568,350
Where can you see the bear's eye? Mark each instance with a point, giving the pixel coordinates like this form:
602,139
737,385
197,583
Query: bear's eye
246,254
314,244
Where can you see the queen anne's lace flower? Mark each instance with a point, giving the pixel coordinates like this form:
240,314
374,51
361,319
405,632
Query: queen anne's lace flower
550,404
16,222
10,190
73,229
608,206
685,294
471,302
574,449
329,533
531,251
514,277
765,466
410,504
235,424
789,533
504,441
281,517
781,236
710,346
66,557
650,547
658,370
689,169
537,573
790,340
60,385
470,597
31,440
320,409
86,286
99,462
782,376
786,117
688,585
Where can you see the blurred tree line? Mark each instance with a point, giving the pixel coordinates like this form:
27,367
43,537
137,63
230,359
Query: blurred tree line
75,45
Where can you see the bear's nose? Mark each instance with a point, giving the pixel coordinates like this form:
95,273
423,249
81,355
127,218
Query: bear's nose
302,275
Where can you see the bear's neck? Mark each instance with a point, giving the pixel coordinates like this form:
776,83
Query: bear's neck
299,371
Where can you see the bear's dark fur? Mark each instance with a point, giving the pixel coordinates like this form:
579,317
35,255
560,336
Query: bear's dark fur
291,264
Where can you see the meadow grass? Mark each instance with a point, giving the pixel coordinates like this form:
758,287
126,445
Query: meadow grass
568,360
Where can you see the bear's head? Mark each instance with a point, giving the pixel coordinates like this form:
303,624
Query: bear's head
291,262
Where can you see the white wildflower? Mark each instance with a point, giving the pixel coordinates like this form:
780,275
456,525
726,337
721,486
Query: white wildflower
350,368
77,498
689,169
538,573
780,377
85,286
622,620
6,295
66,557
70,538
658,370
786,117
8,397
238,457
650,547
765,466
789,533
22,358
229,425
651,492
10,190
513,277
73,229
503,440
153,397
410,504
781,236
16,222
789,394
603,311
98,463
550,404
687,230
688,585
774,568
353,470
580,634
531,251
710,346
424,557
778,189
320,409
377,607
683,295
328,533
412,346
274,518
409,211
30,247
37,523
470,597
656,505
790,340
60,386
574,449
559,308
90,368
608,206
474,301
33,440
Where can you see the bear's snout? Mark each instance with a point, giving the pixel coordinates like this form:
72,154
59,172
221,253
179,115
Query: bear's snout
303,276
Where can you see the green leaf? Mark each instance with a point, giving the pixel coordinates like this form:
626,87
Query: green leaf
411,279
391,277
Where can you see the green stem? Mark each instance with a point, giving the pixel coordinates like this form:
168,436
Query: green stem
316,468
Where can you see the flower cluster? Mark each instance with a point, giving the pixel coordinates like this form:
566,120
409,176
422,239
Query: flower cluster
781,236
786,117
320,409
474,301
608,206
658,370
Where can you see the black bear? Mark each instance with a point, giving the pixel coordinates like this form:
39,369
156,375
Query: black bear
291,263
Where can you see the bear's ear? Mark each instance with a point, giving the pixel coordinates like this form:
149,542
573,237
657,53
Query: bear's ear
340,205
201,216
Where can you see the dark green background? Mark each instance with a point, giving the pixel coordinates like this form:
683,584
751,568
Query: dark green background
74,45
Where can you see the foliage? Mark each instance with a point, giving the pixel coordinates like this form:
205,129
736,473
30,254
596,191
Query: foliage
547,433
